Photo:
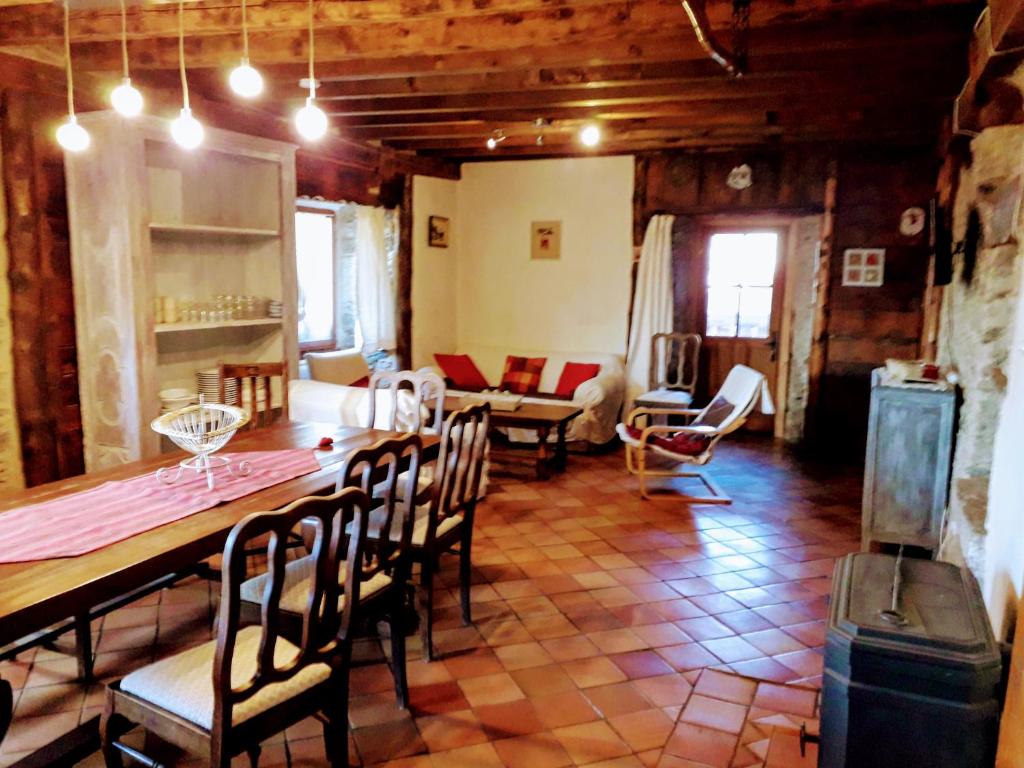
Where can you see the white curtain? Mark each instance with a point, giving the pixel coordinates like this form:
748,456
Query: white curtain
652,304
375,291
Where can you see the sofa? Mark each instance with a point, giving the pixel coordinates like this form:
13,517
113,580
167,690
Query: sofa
600,397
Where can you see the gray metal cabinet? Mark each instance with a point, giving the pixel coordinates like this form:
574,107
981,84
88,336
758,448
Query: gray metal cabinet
909,454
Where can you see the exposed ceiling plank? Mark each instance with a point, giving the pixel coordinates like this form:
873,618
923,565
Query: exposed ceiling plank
35,24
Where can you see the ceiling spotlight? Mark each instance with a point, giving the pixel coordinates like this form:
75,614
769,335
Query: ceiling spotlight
244,79
590,136
493,141
125,98
71,136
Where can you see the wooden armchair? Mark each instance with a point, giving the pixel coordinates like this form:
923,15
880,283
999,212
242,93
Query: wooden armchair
249,376
694,443
424,387
224,697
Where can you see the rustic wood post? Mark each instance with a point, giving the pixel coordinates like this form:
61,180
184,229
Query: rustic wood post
403,277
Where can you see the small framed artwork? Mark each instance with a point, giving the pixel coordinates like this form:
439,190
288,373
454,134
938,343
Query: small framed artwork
437,231
546,240
863,267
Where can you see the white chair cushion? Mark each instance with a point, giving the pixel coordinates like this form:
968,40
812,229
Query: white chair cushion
665,398
422,484
183,684
419,527
295,592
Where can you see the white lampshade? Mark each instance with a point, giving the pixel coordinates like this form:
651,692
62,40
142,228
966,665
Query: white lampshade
311,121
126,99
186,131
245,80
72,136
590,136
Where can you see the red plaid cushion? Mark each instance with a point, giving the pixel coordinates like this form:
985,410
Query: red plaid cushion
522,374
682,443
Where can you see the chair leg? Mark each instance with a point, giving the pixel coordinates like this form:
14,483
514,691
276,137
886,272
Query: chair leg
336,714
425,598
396,623
466,575
112,727
83,647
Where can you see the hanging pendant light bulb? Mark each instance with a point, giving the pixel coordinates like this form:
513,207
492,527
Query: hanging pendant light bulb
126,99
590,136
186,131
244,79
70,135
310,121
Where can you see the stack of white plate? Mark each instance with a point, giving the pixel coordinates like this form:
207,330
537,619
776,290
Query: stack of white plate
274,308
175,398
209,387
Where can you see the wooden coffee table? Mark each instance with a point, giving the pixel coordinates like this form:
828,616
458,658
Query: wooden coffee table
540,418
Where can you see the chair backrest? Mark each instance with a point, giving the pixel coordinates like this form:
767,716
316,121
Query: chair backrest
460,466
377,471
731,406
251,374
323,626
675,359
425,387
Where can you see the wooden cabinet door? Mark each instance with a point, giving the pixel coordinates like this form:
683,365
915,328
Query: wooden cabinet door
743,294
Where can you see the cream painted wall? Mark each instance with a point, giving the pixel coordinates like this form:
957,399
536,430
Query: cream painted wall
577,303
434,271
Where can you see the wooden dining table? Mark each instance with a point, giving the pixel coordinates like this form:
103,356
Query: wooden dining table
37,595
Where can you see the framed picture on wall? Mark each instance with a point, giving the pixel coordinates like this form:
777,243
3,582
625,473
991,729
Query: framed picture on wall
546,240
863,267
437,231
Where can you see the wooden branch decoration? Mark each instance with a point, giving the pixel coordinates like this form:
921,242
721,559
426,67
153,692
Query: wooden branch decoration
696,11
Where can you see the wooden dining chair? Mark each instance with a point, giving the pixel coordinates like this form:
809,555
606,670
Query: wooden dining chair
224,697
446,522
672,379
249,376
377,471
406,414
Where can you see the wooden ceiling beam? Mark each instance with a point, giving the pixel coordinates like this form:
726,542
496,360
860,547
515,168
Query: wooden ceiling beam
609,33
27,24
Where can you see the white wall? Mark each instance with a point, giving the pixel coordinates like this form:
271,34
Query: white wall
1004,543
434,271
577,303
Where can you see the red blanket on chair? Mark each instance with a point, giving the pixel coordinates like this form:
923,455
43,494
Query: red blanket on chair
682,443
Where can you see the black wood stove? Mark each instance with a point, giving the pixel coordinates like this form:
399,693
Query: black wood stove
912,670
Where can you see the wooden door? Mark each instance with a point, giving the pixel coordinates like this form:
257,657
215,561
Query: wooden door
743,295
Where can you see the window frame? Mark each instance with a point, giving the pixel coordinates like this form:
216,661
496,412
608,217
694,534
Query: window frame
774,286
330,210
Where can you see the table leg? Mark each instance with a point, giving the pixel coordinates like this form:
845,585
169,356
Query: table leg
543,455
6,707
561,449
83,647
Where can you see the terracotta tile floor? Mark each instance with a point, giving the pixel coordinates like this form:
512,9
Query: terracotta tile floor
596,617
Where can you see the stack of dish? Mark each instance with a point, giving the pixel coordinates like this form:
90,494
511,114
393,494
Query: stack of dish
209,387
175,398
274,308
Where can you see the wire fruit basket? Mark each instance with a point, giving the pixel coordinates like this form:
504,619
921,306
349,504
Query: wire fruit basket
201,430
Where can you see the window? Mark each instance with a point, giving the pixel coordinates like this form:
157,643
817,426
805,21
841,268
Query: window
314,253
741,274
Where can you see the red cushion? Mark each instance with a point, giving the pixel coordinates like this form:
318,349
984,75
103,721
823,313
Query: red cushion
363,382
522,374
461,371
681,443
574,374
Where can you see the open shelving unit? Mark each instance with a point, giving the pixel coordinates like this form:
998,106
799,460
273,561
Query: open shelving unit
150,220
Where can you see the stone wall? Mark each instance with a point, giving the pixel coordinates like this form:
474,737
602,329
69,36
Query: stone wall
11,476
977,321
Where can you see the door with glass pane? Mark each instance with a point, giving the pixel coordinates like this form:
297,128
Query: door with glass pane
744,288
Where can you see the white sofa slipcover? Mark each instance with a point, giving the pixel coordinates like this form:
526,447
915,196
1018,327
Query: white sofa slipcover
600,397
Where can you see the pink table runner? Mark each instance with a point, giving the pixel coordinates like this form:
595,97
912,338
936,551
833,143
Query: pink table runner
83,522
